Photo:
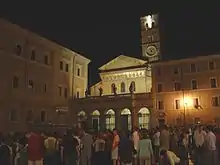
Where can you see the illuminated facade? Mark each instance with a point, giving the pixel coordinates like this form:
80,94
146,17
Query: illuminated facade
108,107
121,72
38,78
187,90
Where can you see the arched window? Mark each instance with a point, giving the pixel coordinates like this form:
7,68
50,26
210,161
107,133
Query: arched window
110,119
126,119
133,86
144,117
113,87
95,120
122,87
81,116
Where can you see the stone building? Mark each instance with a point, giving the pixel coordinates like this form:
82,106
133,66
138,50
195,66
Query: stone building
187,90
122,98
38,78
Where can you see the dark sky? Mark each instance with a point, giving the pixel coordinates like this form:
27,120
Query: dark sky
103,32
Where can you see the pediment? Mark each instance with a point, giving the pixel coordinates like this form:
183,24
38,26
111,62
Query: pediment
122,62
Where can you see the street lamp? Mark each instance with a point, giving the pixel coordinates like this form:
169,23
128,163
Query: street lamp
186,102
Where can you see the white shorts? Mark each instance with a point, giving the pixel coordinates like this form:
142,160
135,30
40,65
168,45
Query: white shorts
115,154
37,162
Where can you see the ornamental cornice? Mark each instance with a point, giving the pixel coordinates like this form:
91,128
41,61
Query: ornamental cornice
124,75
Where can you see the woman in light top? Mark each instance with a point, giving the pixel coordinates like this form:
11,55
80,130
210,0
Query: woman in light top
115,144
145,152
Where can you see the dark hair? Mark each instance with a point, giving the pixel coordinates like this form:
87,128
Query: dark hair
144,133
163,152
115,130
210,128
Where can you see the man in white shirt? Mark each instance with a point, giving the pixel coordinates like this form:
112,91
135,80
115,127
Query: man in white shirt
136,138
156,143
211,146
199,139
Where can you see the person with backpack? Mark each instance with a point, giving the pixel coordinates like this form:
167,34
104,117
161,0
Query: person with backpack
51,146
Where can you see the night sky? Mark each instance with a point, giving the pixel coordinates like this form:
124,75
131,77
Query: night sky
104,32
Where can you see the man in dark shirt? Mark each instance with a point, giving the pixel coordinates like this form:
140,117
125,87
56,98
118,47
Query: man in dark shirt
126,149
70,149
5,153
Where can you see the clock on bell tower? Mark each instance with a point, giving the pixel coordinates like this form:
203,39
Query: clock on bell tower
150,38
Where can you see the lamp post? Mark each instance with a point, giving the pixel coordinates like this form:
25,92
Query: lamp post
186,102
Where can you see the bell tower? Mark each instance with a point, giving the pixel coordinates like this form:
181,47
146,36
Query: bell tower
150,37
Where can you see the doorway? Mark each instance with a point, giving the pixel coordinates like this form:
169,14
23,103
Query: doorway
95,124
124,122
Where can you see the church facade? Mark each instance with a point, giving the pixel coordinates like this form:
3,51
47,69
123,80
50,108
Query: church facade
122,99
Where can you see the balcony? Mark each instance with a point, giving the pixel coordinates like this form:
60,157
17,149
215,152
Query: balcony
117,97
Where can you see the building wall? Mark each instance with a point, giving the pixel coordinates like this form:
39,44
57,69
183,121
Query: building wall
194,104
138,75
39,77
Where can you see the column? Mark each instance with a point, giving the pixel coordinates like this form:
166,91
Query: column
102,120
89,121
134,113
118,119
134,118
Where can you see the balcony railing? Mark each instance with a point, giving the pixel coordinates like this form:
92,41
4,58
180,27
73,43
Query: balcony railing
104,97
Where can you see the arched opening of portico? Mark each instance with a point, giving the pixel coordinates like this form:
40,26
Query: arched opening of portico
96,120
144,117
110,119
81,116
126,119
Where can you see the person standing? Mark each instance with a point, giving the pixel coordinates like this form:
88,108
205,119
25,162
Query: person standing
5,153
183,148
125,149
78,146
69,149
51,146
199,141
116,140
35,148
136,138
165,138
99,150
211,147
145,152
86,149
156,144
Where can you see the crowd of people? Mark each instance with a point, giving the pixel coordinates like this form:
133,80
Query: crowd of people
164,146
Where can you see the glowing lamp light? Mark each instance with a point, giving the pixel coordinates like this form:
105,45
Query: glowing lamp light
187,102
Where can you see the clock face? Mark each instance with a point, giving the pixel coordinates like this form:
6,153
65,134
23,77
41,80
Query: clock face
151,51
